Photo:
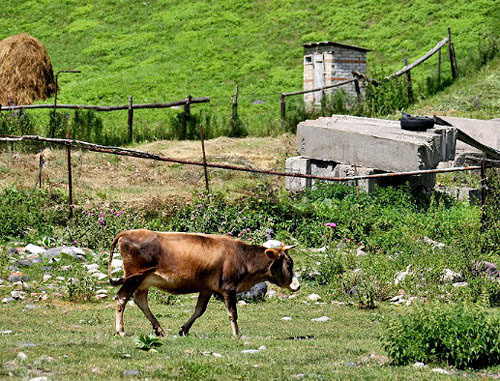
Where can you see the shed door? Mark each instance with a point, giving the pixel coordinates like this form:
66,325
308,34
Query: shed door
319,76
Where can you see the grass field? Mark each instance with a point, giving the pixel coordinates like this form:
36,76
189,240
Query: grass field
164,50
76,340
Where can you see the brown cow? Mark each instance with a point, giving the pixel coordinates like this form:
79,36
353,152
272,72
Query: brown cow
183,263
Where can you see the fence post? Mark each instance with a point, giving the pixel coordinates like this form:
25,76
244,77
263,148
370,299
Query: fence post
130,119
408,79
439,65
235,103
187,112
484,185
358,89
204,158
283,109
70,179
450,55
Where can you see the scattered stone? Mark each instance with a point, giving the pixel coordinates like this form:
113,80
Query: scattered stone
321,319
92,267
242,303
7,300
398,299
451,276
12,251
33,249
66,268
102,291
46,277
298,376
380,360
433,243
26,345
6,332
490,269
314,297
99,275
18,295
401,276
116,263
441,370
351,364
286,318
257,292
22,356
131,372
271,294
250,351
360,251
24,262
218,355
460,284
313,274
419,365
258,102
61,278
17,277
30,307
318,250
41,378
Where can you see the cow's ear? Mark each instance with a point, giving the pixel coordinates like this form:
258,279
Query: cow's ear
273,254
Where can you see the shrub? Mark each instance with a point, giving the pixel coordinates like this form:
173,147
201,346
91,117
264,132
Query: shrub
16,123
459,335
87,126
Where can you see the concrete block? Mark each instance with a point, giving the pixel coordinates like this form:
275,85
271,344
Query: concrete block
301,165
371,143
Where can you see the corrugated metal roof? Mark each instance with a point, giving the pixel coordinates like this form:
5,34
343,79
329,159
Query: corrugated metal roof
324,43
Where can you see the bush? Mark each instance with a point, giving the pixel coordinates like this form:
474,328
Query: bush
458,335
16,123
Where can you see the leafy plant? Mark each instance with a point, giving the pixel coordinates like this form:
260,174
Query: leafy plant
148,343
459,335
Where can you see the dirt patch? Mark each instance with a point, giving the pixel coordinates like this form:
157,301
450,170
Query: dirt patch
104,177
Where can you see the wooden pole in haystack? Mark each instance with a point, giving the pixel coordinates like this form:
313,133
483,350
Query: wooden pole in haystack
204,158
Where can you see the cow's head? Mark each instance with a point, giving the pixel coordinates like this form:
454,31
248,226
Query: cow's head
281,270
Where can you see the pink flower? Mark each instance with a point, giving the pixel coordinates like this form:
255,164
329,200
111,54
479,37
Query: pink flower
101,222
83,212
75,242
331,224
103,214
248,229
230,233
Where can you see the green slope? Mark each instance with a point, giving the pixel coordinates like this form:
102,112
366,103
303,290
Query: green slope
158,50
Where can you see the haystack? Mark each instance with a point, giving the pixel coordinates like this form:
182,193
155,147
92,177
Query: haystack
25,70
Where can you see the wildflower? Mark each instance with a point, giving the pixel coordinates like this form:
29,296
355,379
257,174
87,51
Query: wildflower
248,229
200,206
92,214
230,233
75,242
101,222
223,223
244,218
331,224
320,224
83,212
103,214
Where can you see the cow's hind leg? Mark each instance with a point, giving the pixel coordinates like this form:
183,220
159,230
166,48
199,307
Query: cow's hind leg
201,307
122,297
141,299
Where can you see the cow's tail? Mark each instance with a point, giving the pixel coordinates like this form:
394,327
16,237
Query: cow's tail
110,268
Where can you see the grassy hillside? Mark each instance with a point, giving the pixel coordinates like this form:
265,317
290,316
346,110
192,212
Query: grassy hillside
163,50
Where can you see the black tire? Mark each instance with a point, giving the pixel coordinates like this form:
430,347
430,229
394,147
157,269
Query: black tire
416,123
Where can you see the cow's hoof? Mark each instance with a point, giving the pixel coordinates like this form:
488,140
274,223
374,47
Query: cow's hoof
121,334
160,332
182,332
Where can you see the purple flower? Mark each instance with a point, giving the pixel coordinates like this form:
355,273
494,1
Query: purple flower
103,214
101,222
230,233
83,212
75,242
248,229
331,224
244,218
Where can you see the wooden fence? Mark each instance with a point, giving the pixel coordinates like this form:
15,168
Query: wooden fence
187,102
358,77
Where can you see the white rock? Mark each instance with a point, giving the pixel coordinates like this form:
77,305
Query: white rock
401,276
60,278
419,365
271,293
286,318
66,268
16,294
34,249
460,284
46,277
218,355
321,319
115,263
360,252
242,303
22,356
262,348
450,276
102,291
92,266
99,275
314,297
250,351
441,370
71,250
397,299
101,296
6,332
42,378
318,250
429,241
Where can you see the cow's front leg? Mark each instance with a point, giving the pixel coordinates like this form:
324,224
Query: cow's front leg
230,300
199,310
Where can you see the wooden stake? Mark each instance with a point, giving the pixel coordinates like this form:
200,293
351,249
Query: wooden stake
450,55
358,90
204,158
70,180
283,109
439,66
130,119
187,112
408,79
235,103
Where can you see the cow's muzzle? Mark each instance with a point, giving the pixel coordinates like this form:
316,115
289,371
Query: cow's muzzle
295,285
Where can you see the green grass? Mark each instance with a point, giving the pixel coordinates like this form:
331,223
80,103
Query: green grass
79,338
164,50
